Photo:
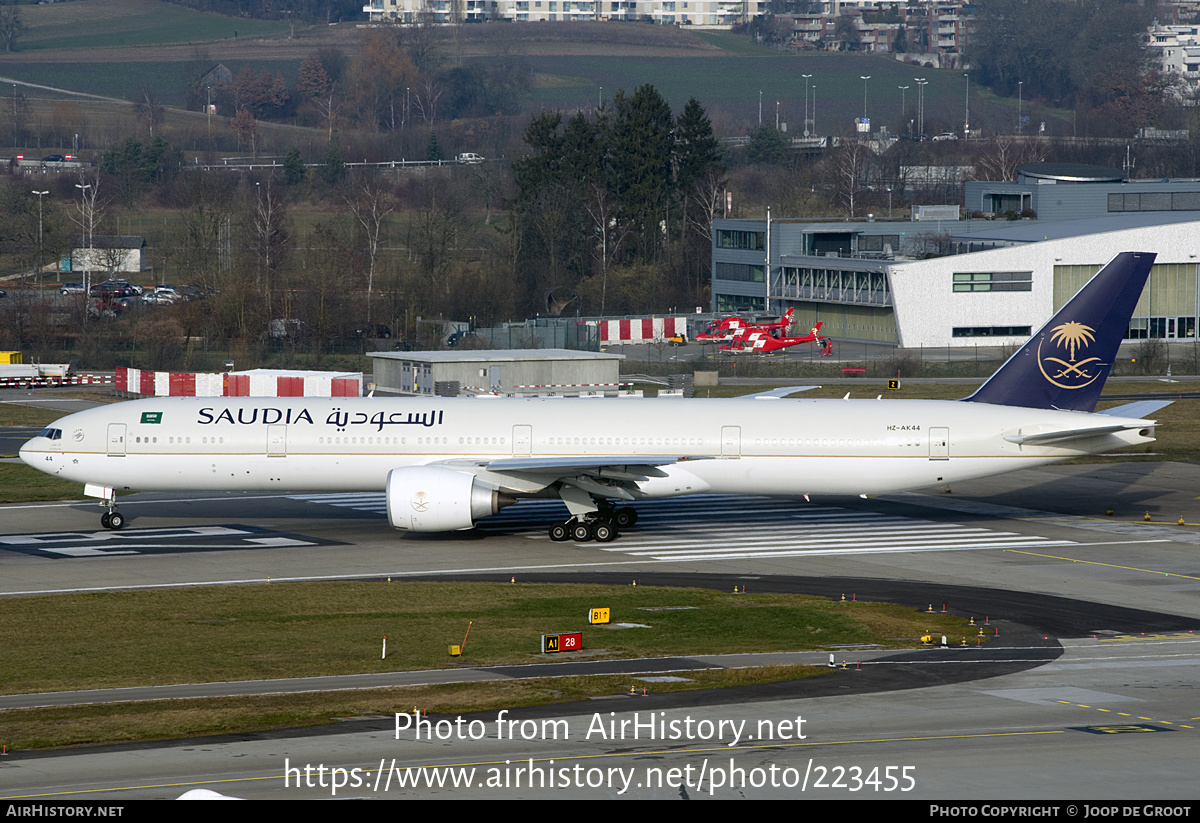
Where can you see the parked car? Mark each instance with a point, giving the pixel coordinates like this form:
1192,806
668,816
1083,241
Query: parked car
54,158
374,331
947,135
112,288
161,297
71,288
470,158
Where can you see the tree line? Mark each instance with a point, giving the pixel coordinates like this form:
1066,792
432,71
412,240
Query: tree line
616,204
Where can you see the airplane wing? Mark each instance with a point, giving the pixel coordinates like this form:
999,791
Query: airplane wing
566,465
776,394
614,476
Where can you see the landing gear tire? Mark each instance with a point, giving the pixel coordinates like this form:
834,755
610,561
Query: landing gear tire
625,517
582,532
104,520
112,520
605,532
559,532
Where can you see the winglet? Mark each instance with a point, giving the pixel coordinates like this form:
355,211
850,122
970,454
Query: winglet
1065,363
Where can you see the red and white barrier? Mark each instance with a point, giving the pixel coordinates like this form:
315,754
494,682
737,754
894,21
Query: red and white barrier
642,330
254,383
73,380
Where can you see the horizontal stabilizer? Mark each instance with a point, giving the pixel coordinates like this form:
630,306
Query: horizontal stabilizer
1140,409
1046,438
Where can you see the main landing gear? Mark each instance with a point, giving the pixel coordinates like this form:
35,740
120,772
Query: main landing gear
601,525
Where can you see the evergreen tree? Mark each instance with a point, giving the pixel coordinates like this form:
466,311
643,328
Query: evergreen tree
293,167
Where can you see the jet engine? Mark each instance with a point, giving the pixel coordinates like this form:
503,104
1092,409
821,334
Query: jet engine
439,499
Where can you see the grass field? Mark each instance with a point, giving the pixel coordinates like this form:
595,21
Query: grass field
113,24
173,719
308,629
281,630
125,43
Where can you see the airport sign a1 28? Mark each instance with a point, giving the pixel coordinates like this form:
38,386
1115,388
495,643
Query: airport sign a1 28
552,643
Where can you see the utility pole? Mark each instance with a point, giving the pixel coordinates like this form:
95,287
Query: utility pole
1020,96
967,108
87,207
806,120
921,84
39,257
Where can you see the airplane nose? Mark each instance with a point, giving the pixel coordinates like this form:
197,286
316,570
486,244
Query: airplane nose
26,451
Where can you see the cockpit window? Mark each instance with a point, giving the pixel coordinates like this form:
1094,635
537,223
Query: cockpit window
51,433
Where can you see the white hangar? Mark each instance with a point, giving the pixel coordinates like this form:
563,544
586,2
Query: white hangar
995,282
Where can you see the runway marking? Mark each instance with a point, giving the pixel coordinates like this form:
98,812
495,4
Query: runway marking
153,541
636,563
763,527
1114,565
1127,714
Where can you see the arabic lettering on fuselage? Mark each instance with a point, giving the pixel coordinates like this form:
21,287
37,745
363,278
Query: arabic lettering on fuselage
342,419
337,417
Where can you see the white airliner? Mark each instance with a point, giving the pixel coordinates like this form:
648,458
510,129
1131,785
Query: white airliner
445,463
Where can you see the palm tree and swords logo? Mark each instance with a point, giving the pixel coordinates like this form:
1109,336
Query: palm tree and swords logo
1070,373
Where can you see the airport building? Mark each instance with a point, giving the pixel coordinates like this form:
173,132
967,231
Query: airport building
1073,191
991,282
508,372
715,13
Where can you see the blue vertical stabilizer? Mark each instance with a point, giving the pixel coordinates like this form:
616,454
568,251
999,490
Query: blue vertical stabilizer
1065,363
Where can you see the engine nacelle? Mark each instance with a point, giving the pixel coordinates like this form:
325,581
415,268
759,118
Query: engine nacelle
439,499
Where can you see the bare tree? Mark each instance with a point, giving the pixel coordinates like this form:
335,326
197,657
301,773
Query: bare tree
11,27
269,230
849,170
1002,155
149,108
89,212
314,82
247,129
371,204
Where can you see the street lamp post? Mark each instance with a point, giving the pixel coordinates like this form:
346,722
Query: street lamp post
921,84
39,257
967,108
1020,96
903,92
88,209
864,78
814,114
806,121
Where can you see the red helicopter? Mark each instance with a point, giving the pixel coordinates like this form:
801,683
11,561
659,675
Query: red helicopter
728,329
763,342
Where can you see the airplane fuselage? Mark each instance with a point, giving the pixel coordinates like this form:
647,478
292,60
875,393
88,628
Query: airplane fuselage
779,446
